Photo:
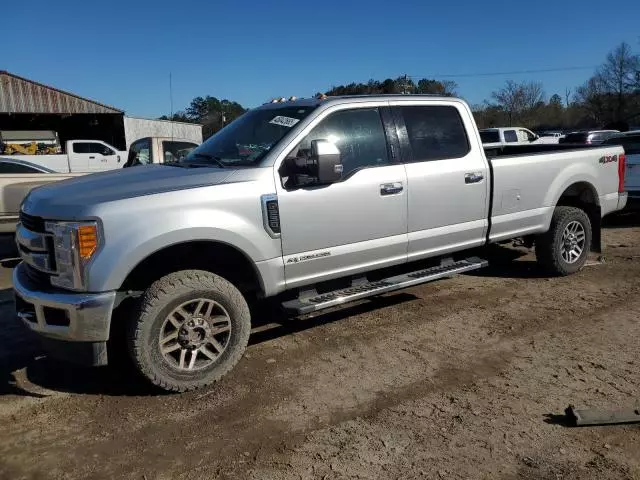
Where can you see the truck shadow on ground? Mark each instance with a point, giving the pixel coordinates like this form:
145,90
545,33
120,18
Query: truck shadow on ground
626,219
31,373
508,262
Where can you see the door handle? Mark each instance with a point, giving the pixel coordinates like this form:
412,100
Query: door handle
91,158
390,188
473,177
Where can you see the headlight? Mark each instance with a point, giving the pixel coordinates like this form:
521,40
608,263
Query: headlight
75,243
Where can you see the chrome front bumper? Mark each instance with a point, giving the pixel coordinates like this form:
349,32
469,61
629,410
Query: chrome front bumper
61,315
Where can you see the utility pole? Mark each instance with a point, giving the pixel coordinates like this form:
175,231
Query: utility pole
171,102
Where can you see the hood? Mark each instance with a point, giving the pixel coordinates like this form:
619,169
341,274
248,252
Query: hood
73,197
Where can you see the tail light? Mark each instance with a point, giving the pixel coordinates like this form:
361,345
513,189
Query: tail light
621,170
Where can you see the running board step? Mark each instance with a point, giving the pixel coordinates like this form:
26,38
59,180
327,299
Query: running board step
337,297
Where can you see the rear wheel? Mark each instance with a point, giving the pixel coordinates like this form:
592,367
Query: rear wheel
564,248
192,328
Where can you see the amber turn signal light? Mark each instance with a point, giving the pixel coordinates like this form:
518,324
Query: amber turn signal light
87,241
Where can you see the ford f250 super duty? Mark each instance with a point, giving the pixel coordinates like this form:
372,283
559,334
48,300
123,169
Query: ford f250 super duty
312,202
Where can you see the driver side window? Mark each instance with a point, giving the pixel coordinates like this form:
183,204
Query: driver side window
358,134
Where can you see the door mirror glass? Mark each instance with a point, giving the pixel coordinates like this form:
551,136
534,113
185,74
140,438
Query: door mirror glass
326,164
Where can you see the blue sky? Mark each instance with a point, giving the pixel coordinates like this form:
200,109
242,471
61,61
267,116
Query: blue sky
120,53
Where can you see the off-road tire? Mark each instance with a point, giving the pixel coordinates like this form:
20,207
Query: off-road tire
548,244
158,301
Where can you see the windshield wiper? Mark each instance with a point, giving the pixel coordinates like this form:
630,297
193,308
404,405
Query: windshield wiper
215,159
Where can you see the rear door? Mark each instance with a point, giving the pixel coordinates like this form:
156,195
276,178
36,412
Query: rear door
447,177
79,156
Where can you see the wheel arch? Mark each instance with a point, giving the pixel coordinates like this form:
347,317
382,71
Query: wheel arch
583,195
214,256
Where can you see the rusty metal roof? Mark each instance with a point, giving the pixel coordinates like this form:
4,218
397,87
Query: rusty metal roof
20,95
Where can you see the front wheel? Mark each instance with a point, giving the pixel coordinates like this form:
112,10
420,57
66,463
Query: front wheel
564,248
192,328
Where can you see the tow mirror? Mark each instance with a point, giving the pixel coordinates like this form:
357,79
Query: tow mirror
326,163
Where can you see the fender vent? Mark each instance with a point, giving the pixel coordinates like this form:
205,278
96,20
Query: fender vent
271,215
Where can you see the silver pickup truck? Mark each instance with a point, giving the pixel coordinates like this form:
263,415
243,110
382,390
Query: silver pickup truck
310,202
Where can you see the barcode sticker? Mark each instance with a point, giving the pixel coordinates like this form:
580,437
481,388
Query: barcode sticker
284,121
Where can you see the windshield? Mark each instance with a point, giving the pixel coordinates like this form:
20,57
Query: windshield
490,136
245,141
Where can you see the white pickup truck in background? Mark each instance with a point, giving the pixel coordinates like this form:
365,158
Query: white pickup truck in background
81,156
501,137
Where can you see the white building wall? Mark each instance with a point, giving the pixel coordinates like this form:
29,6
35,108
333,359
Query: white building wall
136,128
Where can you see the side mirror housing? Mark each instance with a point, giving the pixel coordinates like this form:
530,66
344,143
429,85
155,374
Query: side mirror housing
326,163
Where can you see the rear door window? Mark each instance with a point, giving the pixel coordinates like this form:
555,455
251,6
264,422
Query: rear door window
435,132
82,147
510,136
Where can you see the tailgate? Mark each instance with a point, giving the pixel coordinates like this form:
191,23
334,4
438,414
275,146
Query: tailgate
632,173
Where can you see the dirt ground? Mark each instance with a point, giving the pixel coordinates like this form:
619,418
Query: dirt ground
463,378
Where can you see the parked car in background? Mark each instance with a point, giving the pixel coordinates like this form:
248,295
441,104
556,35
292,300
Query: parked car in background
158,150
305,202
499,137
17,179
630,141
80,156
588,137
551,137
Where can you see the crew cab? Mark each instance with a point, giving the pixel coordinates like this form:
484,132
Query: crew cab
312,203
80,156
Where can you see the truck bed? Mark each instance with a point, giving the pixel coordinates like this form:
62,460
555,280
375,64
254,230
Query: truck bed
528,180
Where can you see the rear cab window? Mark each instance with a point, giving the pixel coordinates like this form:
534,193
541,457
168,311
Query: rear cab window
82,147
490,136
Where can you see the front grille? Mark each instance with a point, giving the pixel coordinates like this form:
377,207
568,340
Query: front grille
30,222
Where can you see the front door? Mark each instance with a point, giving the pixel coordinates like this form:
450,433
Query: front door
353,225
102,157
447,176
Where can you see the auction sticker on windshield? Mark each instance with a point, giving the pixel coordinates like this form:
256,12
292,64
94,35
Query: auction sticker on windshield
284,121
